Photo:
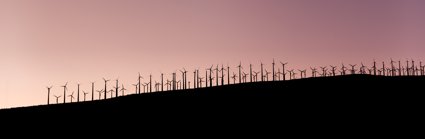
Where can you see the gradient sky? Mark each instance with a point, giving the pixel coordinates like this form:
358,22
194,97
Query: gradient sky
50,42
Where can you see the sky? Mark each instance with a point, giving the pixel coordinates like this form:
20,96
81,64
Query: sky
51,42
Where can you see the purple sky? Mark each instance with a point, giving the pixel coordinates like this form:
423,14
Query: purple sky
50,42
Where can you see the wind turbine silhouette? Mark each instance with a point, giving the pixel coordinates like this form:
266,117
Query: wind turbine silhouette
413,68
383,68
100,93
313,71
353,70
194,79
116,88
333,70
278,74
57,98
64,91
240,67
150,83
303,73
112,93
234,78
273,70
262,75
200,81
399,68
222,74
123,89
323,71
85,93
216,75
184,78
256,76
267,75
407,68
48,94
139,79
162,82
343,68
106,81
228,74
78,93
250,72
92,91
362,69
135,86
374,67
206,76
392,68
291,74
71,96
283,69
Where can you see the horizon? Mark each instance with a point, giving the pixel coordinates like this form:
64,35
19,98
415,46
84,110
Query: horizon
51,42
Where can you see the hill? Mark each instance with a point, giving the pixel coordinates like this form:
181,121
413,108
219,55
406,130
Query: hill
334,92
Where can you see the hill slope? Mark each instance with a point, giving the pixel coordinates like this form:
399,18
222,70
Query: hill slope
337,92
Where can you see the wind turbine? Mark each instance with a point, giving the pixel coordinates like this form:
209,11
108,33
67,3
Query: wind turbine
392,68
135,86
333,70
123,89
267,75
139,79
85,93
100,93
343,68
250,72
116,88
64,91
278,74
353,70
57,98
228,74
194,79
234,78
362,69
283,69
222,74
374,67
313,71
92,91
150,83
48,94
162,82
399,68
71,96
201,81
273,70
78,93
407,67
262,75
383,68
256,76
413,68
240,67
216,75
323,71
303,73
183,76
106,81
291,74
112,93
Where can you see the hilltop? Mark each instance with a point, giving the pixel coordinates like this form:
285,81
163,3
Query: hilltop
334,92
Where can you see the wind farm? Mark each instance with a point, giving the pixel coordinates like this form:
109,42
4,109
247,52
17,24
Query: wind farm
133,55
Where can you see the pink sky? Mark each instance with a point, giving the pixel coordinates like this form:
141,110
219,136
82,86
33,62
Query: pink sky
50,42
